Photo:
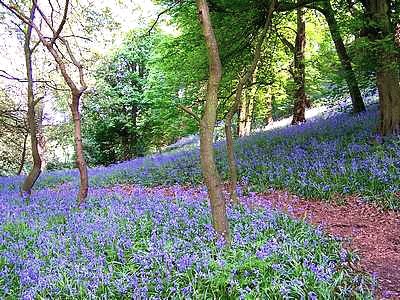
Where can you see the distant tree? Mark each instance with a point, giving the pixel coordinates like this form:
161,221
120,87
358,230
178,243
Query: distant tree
245,80
348,72
115,115
299,70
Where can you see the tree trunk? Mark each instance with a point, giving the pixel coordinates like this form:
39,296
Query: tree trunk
40,136
134,136
23,155
231,161
389,97
207,124
37,162
387,74
347,69
301,101
241,128
251,95
238,103
269,117
80,158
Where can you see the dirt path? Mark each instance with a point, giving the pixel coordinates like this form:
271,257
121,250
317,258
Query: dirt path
372,233
365,229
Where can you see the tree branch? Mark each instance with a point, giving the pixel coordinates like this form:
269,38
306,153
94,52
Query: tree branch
189,111
159,16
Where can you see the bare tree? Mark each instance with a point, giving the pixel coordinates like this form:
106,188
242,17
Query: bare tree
61,51
34,173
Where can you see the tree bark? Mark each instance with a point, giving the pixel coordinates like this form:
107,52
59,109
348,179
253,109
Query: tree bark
299,74
80,158
243,106
207,124
347,70
387,74
238,102
251,98
23,155
269,117
34,173
40,135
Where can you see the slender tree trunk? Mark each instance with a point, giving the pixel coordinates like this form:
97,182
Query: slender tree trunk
80,158
134,136
207,124
301,101
387,74
242,116
233,174
238,102
268,117
23,155
251,98
347,69
40,136
31,116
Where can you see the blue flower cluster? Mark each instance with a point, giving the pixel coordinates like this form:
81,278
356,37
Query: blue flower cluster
330,156
148,245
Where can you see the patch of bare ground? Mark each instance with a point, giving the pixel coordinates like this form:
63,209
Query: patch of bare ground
372,233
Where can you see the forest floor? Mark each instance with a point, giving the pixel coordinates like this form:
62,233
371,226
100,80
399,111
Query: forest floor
367,230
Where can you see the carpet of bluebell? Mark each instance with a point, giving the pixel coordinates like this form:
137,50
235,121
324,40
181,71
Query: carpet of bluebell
153,246
330,156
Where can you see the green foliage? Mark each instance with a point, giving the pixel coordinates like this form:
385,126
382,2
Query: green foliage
127,115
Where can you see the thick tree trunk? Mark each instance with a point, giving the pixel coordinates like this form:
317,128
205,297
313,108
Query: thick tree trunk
31,118
387,74
301,101
80,158
238,103
207,124
389,97
23,155
347,69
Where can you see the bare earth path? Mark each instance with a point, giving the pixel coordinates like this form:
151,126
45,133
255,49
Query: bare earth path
370,232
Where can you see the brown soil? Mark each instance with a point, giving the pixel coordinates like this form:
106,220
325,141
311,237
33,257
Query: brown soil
372,233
